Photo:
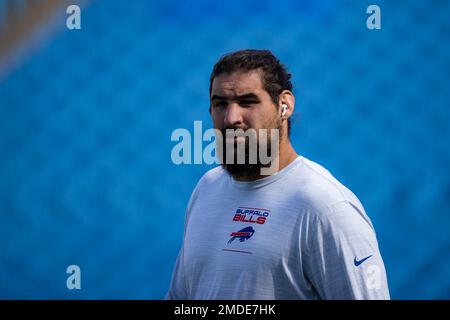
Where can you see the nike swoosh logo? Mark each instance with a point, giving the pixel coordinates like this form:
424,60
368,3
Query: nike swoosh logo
357,263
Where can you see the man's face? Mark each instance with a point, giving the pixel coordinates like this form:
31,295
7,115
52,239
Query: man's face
239,101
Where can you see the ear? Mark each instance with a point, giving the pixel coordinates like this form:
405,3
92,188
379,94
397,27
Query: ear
287,97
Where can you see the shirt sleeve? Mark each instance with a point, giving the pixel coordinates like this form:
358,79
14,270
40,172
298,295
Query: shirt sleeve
177,289
343,260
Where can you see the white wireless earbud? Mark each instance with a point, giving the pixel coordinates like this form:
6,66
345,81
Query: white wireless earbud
284,109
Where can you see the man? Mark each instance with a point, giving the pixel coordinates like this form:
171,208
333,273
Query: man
295,234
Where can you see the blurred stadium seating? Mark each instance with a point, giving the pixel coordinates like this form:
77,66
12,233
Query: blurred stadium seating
86,117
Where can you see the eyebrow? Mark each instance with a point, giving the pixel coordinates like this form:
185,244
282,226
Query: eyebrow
241,97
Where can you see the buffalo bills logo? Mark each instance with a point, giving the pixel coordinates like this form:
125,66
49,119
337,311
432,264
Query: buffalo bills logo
242,235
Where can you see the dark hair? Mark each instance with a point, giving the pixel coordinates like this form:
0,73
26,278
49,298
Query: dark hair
275,77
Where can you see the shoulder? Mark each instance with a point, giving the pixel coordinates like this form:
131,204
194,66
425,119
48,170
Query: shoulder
209,180
317,187
212,177
321,193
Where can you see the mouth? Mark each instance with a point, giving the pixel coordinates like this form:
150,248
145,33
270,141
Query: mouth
235,139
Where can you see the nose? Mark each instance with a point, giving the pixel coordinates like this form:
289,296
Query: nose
233,116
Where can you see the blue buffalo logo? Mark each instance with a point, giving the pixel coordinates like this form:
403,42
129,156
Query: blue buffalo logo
242,235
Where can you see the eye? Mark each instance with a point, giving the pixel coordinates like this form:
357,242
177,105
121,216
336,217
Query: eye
248,103
220,104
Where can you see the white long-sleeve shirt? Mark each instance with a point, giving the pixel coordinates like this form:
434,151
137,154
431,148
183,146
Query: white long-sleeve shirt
298,234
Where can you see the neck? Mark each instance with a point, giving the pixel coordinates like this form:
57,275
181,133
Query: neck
287,154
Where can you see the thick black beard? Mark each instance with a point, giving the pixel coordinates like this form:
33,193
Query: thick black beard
247,171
